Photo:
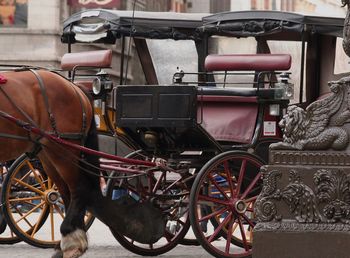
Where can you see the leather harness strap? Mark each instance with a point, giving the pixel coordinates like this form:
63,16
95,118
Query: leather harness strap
46,101
68,136
13,136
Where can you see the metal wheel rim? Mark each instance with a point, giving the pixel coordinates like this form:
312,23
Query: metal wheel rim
231,219
30,225
161,246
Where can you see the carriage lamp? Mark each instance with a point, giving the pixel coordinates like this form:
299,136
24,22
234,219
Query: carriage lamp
283,88
101,84
177,78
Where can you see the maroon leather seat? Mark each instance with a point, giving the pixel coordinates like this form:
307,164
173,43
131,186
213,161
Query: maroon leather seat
251,62
98,58
94,59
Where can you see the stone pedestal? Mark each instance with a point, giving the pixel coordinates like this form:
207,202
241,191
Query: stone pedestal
303,210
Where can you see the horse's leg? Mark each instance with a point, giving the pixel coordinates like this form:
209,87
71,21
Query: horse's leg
74,240
52,173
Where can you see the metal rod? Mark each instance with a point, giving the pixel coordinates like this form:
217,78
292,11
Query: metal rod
122,61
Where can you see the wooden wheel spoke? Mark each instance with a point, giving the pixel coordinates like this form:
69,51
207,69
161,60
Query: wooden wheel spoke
22,217
38,179
172,184
49,183
221,190
24,176
241,175
35,229
30,187
180,222
212,199
155,188
213,214
251,200
218,229
244,239
52,223
25,199
59,211
229,178
250,187
229,235
30,212
248,220
168,236
250,209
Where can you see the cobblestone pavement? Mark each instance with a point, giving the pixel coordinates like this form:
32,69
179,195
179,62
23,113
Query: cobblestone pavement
102,245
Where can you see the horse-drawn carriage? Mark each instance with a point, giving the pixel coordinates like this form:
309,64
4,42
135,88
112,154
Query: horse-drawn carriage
198,130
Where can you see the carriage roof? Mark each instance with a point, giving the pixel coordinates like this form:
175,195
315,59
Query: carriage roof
261,23
100,25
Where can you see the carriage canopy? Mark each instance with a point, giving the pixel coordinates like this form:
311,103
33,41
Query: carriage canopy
100,25
260,23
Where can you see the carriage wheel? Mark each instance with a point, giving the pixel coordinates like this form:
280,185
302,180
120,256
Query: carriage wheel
33,207
222,203
6,235
175,209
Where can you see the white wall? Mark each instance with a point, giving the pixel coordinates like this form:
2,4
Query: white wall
240,5
44,14
38,43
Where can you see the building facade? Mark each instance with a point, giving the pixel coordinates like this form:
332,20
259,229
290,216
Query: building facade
315,7
30,29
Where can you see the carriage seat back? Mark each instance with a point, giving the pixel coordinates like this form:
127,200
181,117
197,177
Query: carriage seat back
248,62
232,118
95,59
228,118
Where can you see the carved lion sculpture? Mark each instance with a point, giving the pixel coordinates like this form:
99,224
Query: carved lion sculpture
346,30
315,128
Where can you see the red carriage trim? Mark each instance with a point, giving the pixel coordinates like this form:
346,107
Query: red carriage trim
3,79
254,62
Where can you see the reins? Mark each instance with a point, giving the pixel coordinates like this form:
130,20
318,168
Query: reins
122,165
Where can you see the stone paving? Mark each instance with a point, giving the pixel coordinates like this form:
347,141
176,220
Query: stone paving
102,245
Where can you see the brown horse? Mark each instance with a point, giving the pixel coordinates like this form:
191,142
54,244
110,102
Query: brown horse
55,105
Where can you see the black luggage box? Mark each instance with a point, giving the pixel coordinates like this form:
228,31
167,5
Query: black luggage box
156,106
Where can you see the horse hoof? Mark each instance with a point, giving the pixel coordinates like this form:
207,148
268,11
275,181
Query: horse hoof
57,254
72,253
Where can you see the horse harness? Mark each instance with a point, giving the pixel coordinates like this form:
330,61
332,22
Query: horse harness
68,136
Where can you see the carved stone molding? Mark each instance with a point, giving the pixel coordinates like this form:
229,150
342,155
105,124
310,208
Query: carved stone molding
298,227
283,157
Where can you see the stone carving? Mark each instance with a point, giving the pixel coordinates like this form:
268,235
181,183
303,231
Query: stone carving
265,208
332,192
319,127
333,188
300,199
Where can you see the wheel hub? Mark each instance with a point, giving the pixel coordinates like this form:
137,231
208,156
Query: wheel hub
240,206
52,197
